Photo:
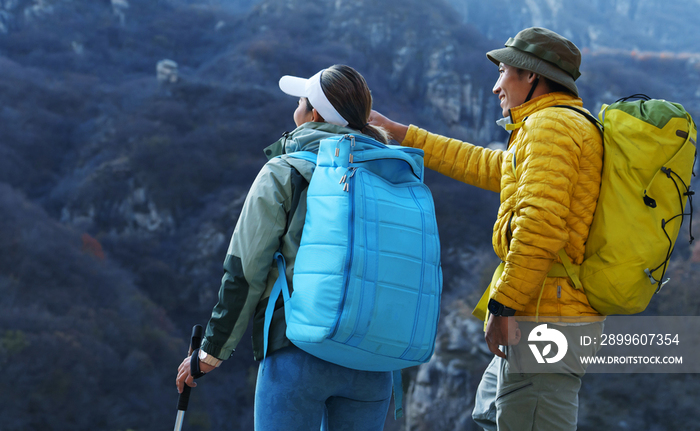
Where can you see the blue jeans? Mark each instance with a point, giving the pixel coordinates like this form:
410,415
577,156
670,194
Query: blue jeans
297,391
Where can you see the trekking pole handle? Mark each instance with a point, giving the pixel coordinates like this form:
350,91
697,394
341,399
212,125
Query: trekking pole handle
195,342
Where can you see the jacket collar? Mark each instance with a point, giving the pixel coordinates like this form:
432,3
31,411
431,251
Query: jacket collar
519,113
305,138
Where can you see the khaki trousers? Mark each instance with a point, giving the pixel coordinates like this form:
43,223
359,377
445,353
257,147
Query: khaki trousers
509,400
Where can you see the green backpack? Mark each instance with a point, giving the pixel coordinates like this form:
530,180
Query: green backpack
649,157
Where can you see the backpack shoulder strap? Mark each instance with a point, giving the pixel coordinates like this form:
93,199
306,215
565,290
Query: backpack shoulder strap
295,160
588,116
398,393
304,155
280,288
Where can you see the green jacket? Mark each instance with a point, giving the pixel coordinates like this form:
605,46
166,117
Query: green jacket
272,218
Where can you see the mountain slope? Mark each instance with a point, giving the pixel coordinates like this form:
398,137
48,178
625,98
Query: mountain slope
118,193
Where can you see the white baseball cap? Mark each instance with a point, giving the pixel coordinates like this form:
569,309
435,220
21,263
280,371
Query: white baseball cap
311,89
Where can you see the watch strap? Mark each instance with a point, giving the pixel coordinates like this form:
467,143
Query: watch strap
195,371
209,359
498,309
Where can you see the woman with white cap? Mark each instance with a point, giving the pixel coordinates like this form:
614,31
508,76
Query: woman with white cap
294,390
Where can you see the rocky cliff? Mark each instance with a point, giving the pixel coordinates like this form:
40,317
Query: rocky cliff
641,25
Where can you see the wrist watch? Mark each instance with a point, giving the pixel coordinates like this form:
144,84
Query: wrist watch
498,309
209,359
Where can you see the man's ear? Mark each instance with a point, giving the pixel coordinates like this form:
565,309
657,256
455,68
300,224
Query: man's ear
531,77
316,117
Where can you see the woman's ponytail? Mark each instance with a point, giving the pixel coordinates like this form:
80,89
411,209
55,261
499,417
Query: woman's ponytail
349,94
375,132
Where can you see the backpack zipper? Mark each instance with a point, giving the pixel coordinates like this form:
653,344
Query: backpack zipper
350,253
345,180
420,288
358,314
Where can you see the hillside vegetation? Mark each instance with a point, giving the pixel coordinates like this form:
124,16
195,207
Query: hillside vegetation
119,193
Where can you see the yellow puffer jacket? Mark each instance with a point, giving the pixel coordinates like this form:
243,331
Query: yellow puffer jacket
546,205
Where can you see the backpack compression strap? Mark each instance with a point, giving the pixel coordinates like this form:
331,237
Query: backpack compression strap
280,287
566,269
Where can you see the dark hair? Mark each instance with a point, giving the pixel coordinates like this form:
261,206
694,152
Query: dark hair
349,94
554,87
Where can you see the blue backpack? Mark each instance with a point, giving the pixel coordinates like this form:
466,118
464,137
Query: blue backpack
367,276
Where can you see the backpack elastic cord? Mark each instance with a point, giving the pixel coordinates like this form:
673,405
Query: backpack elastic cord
640,96
689,193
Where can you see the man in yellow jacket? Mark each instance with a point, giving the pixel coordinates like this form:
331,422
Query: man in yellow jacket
549,181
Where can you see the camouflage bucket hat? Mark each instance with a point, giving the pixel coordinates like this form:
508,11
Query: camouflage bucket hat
544,52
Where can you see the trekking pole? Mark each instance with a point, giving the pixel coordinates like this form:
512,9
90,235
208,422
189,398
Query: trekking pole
184,398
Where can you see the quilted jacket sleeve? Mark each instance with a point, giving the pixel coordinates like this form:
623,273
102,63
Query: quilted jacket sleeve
249,258
547,170
471,164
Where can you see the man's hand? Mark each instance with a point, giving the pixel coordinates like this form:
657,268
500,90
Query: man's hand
185,377
397,131
501,331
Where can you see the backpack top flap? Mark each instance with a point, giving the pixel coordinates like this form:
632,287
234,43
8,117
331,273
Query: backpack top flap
394,163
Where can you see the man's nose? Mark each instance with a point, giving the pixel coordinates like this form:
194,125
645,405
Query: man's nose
497,87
